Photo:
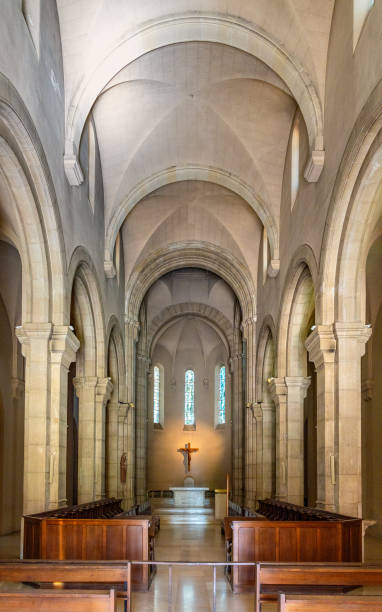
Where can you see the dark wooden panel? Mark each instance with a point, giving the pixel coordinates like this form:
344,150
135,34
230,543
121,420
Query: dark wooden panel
288,545
115,543
244,551
307,543
266,545
72,541
94,548
53,542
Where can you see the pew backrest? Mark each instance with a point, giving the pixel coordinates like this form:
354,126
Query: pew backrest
105,572
275,576
329,603
59,601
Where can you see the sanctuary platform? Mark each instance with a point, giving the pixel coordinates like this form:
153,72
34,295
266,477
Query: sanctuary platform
189,496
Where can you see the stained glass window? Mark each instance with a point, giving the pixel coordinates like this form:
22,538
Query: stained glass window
157,391
189,390
221,402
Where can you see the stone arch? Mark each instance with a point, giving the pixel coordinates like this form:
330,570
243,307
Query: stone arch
172,313
206,28
352,215
196,255
37,231
267,335
301,314
196,173
302,263
82,272
115,337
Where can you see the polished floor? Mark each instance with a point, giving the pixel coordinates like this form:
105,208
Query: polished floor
189,535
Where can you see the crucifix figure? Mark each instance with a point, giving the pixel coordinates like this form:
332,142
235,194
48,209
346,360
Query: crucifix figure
187,450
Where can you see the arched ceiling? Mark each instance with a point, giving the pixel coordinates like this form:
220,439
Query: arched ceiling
185,85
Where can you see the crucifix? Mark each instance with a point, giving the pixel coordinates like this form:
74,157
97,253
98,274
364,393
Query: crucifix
187,450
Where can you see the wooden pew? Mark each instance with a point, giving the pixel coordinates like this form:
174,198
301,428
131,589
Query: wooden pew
93,539
104,574
291,541
329,603
271,579
59,601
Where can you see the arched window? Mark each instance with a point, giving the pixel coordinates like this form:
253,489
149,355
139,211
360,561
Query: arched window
189,398
295,163
220,394
158,395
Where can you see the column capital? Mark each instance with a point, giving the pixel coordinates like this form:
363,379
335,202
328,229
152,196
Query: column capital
104,389
133,326
84,382
28,332
356,331
321,345
277,388
248,323
299,383
63,345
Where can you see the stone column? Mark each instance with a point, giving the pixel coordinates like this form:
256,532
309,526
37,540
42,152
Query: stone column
351,339
268,410
132,327
236,366
143,365
258,414
297,387
103,392
113,449
18,401
249,334
63,348
86,389
278,390
250,464
321,346
34,338
129,433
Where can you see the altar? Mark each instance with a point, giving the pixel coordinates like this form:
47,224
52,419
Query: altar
189,496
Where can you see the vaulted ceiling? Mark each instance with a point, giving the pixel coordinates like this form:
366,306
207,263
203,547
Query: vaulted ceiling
184,90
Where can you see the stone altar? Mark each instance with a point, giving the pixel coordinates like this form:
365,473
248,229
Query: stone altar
188,496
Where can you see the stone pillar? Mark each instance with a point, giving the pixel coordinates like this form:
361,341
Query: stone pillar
351,339
268,410
258,414
48,351
103,392
250,463
34,338
63,348
249,334
321,346
143,365
297,387
132,327
18,401
86,389
112,467
129,432
278,390
236,366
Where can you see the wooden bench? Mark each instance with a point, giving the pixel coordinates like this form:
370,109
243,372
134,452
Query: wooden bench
329,603
104,574
59,601
93,539
291,541
271,579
